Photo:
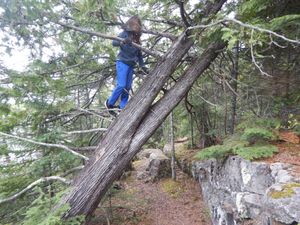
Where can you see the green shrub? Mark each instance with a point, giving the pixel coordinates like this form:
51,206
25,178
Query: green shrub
256,152
267,123
257,134
234,146
216,151
42,212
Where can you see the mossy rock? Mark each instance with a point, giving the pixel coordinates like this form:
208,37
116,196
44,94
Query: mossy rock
286,192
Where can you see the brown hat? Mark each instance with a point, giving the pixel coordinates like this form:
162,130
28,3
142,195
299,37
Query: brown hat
134,24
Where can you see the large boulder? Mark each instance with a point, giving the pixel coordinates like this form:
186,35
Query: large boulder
152,164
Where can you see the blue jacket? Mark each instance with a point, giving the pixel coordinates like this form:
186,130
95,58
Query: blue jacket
128,54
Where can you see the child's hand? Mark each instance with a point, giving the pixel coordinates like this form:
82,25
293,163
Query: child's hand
127,41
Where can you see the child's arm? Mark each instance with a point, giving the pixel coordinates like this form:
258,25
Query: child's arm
118,43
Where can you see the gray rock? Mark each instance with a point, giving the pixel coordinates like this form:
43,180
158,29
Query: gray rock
236,190
145,153
284,202
167,149
153,164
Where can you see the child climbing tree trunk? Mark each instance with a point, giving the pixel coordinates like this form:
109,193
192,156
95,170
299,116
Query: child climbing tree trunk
126,135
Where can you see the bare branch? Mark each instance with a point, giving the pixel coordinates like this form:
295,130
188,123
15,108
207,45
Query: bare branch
183,13
93,113
84,149
245,25
275,43
45,144
172,23
208,102
72,170
162,34
33,184
93,33
253,58
86,131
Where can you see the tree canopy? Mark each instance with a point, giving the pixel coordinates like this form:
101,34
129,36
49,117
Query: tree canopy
52,112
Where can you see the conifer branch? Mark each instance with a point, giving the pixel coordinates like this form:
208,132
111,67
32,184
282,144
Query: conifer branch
45,144
247,26
94,33
32,185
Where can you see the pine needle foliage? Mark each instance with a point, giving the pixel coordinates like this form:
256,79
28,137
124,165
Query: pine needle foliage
257,133
251,142
241,148
256,151
41,212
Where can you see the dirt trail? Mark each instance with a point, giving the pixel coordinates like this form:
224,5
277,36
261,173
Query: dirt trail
164,202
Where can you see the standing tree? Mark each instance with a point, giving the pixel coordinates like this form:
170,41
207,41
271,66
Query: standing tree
58,111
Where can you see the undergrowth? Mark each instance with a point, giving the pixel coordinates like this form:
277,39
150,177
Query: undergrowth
251,142
41,212
173,188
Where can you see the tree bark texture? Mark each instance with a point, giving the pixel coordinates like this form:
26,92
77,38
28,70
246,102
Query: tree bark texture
234,76
135,125
172,141
107,163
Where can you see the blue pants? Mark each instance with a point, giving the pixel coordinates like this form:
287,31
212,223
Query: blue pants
123,84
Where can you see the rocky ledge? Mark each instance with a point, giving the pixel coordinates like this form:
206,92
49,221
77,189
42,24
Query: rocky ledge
238,191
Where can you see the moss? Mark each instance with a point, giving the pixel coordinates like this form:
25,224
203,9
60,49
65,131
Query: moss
173,188
286,192
137,163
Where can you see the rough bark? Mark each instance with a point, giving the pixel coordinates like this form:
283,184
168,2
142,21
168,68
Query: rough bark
234,76
134,126
106,165
99,175
172,146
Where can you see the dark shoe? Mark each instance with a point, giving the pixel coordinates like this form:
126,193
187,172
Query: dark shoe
107,106
110,109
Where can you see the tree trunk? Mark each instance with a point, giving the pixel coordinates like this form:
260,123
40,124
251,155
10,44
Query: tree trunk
135,125
172,146
107,165
192,130
234,76
113,153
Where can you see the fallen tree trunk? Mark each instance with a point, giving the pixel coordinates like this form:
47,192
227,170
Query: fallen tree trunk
135,124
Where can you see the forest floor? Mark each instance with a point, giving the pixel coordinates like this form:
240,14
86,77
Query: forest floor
165,202
288,152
